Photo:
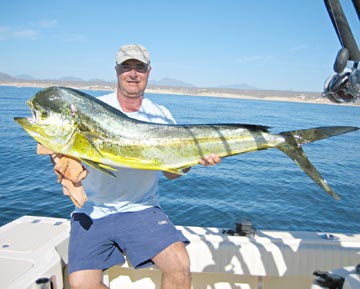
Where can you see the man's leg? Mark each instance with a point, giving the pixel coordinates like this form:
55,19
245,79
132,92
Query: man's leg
174,264
87,279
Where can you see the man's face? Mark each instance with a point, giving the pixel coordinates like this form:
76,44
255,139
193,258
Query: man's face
132,78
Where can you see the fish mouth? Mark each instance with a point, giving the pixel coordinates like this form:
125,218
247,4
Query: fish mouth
34,113
35,116
25,122
28,121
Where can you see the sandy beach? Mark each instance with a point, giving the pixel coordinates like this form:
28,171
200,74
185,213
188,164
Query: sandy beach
270,95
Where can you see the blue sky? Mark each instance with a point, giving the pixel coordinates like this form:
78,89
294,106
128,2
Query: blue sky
288,45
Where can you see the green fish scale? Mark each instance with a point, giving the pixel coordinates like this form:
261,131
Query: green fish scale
180,146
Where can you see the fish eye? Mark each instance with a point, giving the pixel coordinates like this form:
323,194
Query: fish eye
44,114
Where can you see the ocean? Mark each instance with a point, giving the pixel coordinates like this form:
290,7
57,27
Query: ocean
264,187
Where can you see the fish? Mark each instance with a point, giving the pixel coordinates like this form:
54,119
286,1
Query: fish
73,123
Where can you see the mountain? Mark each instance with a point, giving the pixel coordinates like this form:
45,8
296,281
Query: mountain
242,86
167,82
170,82
6,77
74,82
25,77
70,78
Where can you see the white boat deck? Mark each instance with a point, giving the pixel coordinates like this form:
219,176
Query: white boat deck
35,247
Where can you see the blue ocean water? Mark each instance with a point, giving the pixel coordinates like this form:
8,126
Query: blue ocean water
265,187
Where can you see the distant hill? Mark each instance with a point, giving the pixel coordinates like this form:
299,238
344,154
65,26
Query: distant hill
70,78
168,86
75,82
242,86
25,77
170,82
6,77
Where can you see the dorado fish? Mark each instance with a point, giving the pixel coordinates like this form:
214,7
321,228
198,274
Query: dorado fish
76,124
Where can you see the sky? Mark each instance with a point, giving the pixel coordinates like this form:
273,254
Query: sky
268,44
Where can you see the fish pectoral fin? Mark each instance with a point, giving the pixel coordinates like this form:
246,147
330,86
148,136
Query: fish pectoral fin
101,167
178,171
106,167
91,139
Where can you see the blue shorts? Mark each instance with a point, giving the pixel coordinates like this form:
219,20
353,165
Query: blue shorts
102,243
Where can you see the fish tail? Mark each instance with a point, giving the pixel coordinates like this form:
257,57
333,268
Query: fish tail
292,148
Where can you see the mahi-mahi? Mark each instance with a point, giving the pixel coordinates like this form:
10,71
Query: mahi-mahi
76,124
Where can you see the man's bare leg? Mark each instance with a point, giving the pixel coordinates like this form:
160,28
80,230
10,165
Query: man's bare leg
174,264
87,279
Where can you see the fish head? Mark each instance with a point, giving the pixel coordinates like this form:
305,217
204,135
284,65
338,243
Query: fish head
53,121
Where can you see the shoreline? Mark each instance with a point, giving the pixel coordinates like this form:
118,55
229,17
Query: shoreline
267,95
242,95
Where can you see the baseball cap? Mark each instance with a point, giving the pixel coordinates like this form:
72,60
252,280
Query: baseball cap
132,51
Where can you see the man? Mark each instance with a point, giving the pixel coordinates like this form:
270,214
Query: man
122,215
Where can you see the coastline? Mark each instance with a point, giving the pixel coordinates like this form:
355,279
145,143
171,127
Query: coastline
267,95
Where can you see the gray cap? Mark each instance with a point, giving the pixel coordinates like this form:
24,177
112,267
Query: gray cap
133,51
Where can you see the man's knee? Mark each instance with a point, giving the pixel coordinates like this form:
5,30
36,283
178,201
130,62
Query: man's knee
77,281
86,279
174,260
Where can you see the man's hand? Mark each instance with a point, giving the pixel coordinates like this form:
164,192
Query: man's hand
70,172
68,168
210,160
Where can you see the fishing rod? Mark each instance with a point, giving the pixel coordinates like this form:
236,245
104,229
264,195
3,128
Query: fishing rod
344,85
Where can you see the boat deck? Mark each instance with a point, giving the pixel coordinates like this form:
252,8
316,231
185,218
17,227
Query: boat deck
36,247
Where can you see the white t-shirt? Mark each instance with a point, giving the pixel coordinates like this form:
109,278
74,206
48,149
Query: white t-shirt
132,189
